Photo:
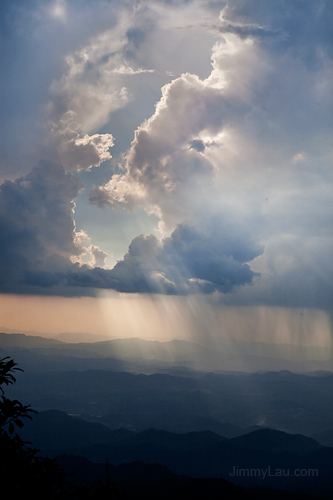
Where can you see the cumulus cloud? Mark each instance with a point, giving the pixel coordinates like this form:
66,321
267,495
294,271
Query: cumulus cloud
193,137
82,100
164,170
37,227
229,143
187,262
77,66
90,255
81,152
234,160
42,249
247,100
191,260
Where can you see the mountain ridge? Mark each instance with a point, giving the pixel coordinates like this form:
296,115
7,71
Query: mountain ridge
150,355
203,454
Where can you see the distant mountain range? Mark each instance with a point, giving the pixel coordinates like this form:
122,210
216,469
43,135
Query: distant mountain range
63,337
228,404
160,390
137,355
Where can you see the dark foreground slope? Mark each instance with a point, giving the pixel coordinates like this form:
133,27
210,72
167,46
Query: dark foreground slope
139,481
263,458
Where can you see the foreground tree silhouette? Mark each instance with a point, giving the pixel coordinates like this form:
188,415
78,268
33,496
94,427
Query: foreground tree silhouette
22,471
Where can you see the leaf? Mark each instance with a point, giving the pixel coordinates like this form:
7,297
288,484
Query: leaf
11,428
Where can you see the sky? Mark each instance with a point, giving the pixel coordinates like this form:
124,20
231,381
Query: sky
170,163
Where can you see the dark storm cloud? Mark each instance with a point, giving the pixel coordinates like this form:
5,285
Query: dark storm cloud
36,224
38,240
38,237
190,260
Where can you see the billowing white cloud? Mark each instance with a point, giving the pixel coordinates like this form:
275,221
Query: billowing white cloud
81,152
90,255
71,74
163,170
92,88
234,160
250,140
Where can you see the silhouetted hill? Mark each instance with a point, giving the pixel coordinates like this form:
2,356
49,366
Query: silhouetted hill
85,471
55,430
325,438
75,337
276,441
188,441
27,341
250,467
139,481
261,454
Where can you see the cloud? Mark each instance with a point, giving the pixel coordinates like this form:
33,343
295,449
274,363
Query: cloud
82,152
164,170
82,100
37,227
304,27
231,142
42,250
67,66
234,160
295,272
99,256
169,161
90,255
189,261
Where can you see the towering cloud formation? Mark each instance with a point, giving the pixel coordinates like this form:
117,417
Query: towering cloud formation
235,146
234,163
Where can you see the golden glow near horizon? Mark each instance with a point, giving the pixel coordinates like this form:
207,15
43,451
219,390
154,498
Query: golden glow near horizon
164,318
